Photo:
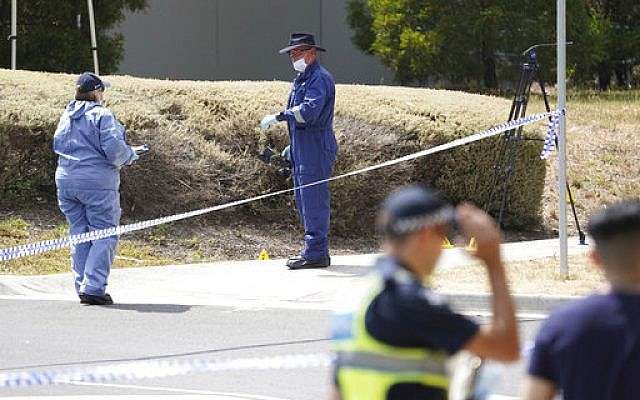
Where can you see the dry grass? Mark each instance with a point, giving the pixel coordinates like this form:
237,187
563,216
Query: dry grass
602,152
539,277
184,242
205,137
15,231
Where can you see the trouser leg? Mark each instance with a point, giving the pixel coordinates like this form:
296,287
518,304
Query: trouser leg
103,211
314,202
298,198
75,213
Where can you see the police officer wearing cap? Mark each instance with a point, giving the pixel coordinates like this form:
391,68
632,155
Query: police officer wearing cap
396,340
313,148
91,148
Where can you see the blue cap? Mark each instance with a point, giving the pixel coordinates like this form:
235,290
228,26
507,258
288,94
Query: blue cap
88,82
412,208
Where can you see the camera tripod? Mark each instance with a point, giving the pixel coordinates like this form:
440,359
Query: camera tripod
507,149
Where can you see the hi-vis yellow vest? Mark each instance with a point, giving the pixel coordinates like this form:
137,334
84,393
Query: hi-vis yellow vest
367,368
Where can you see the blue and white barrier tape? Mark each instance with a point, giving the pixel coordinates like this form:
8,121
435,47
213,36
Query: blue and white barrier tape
550,139
160,369
57,244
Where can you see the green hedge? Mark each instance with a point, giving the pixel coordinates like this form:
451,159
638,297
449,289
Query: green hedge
204,138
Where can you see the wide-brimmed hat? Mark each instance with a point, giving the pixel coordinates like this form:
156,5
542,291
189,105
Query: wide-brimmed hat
301,39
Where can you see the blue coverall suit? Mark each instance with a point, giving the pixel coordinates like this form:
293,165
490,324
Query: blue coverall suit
91,148
309,118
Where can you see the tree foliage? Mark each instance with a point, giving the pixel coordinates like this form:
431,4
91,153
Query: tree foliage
473,43
51,36
619,26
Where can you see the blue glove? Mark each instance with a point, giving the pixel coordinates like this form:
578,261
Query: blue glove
268,121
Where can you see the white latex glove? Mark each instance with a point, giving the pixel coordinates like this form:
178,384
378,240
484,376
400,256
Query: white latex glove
268,121
286,153
139,150
133,159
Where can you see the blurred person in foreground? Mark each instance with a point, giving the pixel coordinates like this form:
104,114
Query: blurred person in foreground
398,339
590,349
91,148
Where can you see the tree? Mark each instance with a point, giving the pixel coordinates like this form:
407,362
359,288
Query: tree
619,24
51,36
468,43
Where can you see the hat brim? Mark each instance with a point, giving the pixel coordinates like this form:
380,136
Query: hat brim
295,46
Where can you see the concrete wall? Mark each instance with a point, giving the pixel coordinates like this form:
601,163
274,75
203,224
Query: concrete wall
239,39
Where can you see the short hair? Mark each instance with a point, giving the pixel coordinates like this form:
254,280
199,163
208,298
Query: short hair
616,231
85,96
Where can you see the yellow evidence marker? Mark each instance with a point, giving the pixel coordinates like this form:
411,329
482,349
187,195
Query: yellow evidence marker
446,244
473,245
264,256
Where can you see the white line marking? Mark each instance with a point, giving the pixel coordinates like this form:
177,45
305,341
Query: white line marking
521,317
225,395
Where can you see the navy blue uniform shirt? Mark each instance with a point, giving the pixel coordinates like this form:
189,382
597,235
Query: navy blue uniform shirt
407,314
590,349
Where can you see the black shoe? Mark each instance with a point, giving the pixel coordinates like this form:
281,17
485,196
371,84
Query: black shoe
303,263
93,300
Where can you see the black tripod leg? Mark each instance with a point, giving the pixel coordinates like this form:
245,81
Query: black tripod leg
513,137
581,235
500,163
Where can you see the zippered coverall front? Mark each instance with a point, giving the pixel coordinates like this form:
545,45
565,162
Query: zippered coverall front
309,118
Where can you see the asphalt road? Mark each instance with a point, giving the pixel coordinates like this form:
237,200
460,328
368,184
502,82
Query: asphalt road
58,335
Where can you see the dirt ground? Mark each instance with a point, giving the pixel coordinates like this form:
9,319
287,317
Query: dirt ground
201,239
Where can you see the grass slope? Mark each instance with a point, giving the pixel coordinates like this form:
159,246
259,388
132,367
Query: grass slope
205,136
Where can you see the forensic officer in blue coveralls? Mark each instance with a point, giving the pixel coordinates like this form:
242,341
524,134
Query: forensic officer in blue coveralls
309,117
91,148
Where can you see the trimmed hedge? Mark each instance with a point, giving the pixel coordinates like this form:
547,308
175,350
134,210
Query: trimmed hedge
204,138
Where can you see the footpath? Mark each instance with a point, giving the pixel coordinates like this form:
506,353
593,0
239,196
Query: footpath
258,284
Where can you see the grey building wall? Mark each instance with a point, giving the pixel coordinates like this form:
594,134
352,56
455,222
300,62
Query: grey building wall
239,39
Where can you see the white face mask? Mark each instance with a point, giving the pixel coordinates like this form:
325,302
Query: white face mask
300,65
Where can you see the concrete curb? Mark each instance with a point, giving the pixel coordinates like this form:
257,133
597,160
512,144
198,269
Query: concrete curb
533,304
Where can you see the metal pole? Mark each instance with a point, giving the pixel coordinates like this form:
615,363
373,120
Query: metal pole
14,33
94,42
320,5
217,38
562,142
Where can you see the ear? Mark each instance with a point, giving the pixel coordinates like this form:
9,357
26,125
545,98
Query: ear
596,259
442,230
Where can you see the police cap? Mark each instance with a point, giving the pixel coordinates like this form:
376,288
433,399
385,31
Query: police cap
412,208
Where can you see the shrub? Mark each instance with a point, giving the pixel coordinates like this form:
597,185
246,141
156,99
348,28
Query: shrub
204,138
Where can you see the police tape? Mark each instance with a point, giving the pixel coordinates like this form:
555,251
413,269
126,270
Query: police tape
130,371
31,249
